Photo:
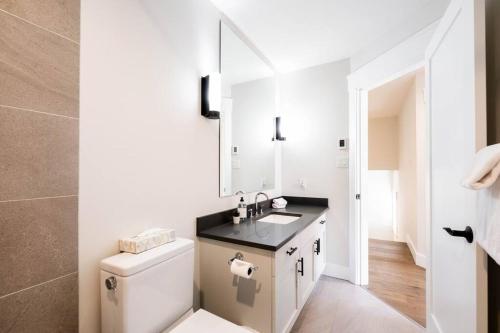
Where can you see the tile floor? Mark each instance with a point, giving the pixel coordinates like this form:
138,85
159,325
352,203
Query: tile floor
337,306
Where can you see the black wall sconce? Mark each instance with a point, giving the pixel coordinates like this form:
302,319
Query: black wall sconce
277,134
211,96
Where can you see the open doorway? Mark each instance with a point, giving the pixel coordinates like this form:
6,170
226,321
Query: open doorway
393,203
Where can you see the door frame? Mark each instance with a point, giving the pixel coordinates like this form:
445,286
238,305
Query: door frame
358,133
404,58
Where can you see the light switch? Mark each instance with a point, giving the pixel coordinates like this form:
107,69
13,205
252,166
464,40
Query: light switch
342,162
236,163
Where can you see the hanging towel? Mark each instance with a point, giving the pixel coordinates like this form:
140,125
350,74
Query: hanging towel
485,169
483,177
488,223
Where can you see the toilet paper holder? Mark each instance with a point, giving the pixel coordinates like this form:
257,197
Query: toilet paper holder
239,256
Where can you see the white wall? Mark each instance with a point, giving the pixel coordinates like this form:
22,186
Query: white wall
383,143
412,165
379,200
147,157
422,20
408,168
403,58
314,104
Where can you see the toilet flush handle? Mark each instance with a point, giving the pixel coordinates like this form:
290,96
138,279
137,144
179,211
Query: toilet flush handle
111,283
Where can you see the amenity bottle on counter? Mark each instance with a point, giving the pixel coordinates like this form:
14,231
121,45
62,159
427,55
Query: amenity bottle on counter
242,209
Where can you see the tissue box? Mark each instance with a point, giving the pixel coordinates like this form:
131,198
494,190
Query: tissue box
147,240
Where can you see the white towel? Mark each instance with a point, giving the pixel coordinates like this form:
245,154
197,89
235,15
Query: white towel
483,176
485,169
279,203
488,223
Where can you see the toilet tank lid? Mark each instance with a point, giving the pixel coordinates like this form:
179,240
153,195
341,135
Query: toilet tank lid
126,264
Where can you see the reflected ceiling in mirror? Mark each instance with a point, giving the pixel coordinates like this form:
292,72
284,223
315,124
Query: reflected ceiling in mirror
247,152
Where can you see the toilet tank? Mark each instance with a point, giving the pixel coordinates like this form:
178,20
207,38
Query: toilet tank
149,291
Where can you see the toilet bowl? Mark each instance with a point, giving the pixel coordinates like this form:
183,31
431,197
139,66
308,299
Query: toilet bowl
204,321
152,292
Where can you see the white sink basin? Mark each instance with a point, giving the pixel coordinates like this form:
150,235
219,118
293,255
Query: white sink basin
280,218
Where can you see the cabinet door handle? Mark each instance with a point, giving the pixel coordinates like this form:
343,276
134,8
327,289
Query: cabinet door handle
322,222
301,262
318,246
291,251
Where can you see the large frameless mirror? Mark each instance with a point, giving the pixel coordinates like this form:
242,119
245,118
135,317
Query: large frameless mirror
247,158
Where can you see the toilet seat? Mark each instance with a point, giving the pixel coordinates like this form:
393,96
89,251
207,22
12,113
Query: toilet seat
204,321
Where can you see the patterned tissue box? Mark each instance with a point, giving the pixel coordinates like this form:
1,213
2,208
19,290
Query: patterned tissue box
147,240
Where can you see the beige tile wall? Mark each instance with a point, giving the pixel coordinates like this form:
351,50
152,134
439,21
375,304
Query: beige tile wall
39,119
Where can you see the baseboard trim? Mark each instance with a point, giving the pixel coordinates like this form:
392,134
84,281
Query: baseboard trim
433,325
337,271
418,257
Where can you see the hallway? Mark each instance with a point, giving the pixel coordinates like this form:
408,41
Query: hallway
395,279
338,306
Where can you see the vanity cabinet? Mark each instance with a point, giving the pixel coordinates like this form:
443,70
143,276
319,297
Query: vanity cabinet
271,300
308,266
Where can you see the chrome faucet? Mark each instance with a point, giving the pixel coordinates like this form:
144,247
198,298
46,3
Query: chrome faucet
258,210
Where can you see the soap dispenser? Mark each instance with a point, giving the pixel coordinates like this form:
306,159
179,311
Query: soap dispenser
242,208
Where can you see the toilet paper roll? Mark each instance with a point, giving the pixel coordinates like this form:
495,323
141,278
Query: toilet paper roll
242,268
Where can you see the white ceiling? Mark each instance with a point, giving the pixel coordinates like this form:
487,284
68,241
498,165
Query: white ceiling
388,100
295,34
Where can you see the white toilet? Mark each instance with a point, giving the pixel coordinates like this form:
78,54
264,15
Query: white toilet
152,292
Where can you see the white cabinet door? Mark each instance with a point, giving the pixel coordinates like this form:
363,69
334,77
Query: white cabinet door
320,250
455,86
286,304
305,268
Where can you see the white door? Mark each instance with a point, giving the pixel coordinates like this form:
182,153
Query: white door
455,98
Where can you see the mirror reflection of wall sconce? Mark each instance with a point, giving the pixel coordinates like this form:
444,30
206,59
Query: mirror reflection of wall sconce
211,101
277,134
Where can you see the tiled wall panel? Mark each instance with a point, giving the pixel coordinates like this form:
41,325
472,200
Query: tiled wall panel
39,119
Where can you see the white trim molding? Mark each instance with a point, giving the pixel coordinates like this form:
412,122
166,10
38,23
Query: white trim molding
418,257
406,57
434,326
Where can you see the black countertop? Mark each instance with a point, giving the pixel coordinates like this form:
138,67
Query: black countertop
263,235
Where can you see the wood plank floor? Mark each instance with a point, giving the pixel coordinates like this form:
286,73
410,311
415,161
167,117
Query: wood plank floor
395,279
337,306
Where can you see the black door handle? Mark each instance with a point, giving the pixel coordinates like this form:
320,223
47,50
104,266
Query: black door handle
318,246
301,270
322,222
467,233
291,251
